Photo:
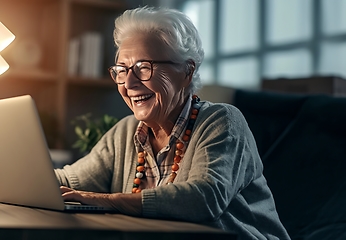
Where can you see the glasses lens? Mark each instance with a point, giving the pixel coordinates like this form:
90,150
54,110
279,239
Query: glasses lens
112,73
143,70
118,74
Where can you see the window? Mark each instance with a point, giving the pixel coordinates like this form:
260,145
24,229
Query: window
288,63
332,45
239,72
333,16
249,40
202,15
239,26
288,21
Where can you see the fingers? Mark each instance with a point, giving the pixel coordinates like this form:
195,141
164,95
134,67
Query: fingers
64,189
90,198
83,197
71,195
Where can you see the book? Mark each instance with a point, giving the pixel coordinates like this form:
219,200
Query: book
96,56
85,56
91,55
73,57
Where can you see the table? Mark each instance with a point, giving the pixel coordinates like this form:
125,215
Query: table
26,223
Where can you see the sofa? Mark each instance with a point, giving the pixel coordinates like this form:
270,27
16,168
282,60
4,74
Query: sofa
301,139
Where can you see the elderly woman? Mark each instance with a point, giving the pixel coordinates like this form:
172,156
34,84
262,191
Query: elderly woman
177,157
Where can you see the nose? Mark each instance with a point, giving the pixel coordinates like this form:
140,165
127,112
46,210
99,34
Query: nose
131,80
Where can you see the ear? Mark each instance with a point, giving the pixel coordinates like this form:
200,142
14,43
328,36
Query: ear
190,69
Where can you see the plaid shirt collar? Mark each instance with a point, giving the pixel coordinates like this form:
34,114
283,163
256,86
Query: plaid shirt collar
158,168
141,137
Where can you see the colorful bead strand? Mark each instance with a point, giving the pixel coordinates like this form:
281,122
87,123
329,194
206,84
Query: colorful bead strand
179,149
139,172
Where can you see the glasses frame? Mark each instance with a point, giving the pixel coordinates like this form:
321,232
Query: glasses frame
114,75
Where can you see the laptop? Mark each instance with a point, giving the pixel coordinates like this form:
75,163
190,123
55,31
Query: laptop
27,177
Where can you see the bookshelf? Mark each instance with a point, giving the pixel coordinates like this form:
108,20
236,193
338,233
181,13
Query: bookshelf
39,57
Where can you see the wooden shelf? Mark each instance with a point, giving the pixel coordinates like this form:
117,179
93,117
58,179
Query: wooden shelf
38,61
28,74
94,82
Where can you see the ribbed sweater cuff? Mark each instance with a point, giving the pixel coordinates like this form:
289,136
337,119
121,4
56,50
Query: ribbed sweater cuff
73,179
149,205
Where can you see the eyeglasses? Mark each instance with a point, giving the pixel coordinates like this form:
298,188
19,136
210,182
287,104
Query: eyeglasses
143,70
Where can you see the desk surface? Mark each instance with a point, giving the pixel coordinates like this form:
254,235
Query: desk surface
31,223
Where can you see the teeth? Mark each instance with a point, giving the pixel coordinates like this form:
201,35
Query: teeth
139,98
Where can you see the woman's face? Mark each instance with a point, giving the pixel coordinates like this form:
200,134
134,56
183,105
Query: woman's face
161,98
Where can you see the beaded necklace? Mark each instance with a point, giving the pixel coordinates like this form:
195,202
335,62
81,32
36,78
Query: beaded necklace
179,149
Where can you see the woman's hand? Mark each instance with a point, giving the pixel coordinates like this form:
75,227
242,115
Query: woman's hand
130,204
88,198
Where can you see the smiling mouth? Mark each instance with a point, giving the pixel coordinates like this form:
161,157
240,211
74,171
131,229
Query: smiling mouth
142,98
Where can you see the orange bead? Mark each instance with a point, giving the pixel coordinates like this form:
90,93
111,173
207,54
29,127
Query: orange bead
186,138
194,111
177,159
140,168
138,190
180,145
194,96
134,190
137,181
178,152
193,116
171,177
141,160
141,154
188,132
175,167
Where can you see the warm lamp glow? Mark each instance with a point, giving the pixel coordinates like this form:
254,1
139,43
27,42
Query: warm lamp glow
6,37
3,65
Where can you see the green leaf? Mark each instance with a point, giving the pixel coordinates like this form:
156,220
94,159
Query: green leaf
89,131
78,131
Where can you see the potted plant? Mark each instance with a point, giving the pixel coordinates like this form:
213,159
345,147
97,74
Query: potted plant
90,131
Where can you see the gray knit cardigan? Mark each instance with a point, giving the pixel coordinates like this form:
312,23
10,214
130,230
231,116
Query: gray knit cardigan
219,183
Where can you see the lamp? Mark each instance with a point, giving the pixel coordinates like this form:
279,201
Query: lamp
3,65
6,37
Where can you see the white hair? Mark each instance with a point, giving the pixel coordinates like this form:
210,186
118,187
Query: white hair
172,27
